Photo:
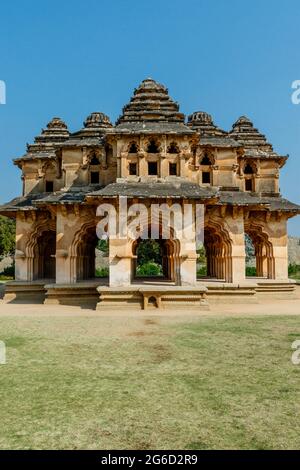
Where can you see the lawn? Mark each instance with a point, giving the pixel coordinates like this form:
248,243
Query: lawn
153,382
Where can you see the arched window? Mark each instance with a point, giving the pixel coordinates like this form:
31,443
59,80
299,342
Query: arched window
206,160
94,169
50,172
152,147
248,170
94,160
173,148
206,163
249,174
133,148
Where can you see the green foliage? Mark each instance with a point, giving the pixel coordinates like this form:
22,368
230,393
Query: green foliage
250,271
202,271
148,250
294,271
103,246
149,269
102,272
201,255
294,268
8,273
249,248
7,236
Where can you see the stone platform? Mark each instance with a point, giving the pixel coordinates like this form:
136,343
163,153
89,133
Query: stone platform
156,296
25,292
147,293
82,294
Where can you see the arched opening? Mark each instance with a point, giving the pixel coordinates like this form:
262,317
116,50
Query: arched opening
259,253
133,148
215,257
91,256
94,169
153,147
156,260
44,256
206,171
51,175
148,258
206,160
248,170
94,160
173,148
249,175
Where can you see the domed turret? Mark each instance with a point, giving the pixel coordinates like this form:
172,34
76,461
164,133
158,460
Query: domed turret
96,120
56,131
245,133
203,123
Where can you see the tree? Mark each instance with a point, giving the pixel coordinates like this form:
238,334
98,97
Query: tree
148,250
7,236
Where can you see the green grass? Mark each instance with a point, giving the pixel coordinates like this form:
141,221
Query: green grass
142,383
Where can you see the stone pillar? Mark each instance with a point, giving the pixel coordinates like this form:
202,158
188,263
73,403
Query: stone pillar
236,272
280,254
68,225
120,262
188,254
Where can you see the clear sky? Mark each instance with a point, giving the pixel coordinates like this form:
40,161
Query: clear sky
225,57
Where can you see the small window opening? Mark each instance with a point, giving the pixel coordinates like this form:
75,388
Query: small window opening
206,177
152,168
95,177
249,185
173,169
132,169
49,186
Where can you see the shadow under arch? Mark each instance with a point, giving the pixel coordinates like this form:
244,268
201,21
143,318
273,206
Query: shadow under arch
82,252
218,248
40,251
265,262
169,251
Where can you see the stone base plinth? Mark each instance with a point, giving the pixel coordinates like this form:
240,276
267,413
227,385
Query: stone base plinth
24,292
280,290
152,297
223,292
80,294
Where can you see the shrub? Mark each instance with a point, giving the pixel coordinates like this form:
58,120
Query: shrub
8,273
250,271
7,236
149,269
102,272
201,271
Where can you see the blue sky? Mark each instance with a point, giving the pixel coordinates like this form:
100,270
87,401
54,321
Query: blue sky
226,57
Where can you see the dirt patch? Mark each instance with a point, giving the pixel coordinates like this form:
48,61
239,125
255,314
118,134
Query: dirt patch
161,353
150,321
138,333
